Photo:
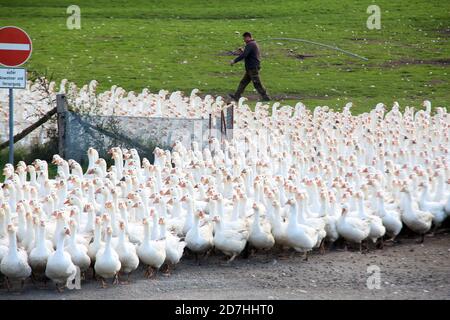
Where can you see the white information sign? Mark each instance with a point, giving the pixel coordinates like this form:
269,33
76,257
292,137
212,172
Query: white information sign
13,78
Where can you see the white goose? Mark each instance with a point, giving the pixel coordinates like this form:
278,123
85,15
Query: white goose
60,267
351,228
390,218
174,246
199,239
39,255
127,253
417,220
14,264
437,209
228,239
260,232
78,252
301,237
107,263
151,252
279,226
97,244
377,230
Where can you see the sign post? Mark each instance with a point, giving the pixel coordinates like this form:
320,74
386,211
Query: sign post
11,126
15,49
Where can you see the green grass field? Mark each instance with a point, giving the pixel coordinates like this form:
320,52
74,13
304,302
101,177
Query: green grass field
180,45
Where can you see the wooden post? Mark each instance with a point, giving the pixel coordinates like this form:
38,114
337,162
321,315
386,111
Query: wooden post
230,121
61,110
223,125
210,125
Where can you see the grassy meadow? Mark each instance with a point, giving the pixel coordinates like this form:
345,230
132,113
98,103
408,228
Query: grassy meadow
184,44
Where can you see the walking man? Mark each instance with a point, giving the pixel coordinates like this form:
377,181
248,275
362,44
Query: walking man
252,58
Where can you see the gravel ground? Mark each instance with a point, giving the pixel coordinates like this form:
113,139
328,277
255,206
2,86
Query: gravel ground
408,270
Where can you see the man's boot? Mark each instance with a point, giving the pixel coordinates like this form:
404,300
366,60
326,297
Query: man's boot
234,97
266,98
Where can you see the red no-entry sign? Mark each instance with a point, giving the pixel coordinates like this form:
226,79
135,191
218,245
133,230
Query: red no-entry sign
15,46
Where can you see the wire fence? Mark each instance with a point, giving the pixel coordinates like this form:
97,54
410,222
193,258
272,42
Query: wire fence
78,132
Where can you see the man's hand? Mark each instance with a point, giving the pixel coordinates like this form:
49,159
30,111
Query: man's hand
231,62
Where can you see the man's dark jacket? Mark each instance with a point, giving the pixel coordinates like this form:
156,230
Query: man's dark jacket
251,55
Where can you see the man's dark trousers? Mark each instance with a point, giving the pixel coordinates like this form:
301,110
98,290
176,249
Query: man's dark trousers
251,75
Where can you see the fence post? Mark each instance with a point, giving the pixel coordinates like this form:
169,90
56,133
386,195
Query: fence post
223,126
210,125
230,121
61,109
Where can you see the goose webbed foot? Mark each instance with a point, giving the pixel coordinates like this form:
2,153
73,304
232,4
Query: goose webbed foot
116,279
291,256
166,270
366,245
394,240
332,246
45,280
59,289
196,258
33,279
22,284
232,258
124,281
203,256
305,256
422,238
322,247
432,232
150,272
7,284
208,252
380,244
103,282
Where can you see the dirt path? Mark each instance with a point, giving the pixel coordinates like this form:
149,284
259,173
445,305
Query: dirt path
407,271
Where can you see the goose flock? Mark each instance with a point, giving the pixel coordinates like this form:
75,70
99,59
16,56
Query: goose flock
289,179
39,97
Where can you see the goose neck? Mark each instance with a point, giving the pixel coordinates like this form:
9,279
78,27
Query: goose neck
97,234
302,210
108,247
122,237
60,244
381,207
40,240
12,243
162,231
361,212
256,220
235,213
176,208
293,220
155,231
